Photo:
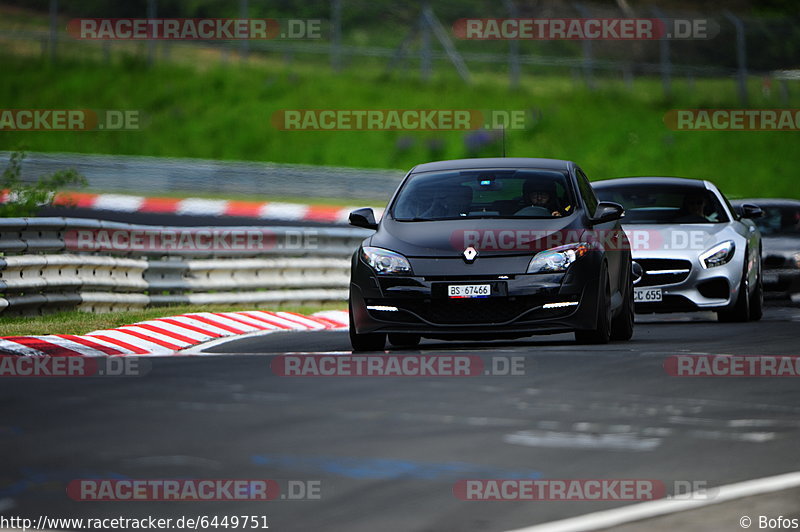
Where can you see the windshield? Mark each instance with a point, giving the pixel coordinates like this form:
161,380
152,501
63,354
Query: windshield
659,204
779,220
484,194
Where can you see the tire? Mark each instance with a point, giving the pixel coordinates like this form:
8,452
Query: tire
741,310
757,301
601,334
622,325
404,339
365,342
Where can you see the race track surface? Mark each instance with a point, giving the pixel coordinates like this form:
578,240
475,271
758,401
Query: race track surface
388,450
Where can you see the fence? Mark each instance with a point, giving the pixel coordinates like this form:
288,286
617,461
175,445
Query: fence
404,35
42,270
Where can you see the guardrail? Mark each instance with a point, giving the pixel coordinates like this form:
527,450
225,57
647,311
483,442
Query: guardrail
142,175
49,264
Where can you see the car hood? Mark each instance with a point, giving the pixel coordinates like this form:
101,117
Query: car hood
491,236
684,240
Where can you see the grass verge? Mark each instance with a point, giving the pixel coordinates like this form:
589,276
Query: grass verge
224,112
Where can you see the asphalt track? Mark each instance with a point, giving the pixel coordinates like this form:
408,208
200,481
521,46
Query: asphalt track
388,451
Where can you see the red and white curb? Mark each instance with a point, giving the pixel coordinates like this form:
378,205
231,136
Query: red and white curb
204,207
170,335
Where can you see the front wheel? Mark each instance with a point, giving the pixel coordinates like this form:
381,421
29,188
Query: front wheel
601,334
622,325
741,310
757,302
365,342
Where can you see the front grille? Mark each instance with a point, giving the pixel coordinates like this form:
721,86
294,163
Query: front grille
664,264
472,311
461,278
651,267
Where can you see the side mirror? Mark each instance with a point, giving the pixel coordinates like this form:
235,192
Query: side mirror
751,211
363,218
607,211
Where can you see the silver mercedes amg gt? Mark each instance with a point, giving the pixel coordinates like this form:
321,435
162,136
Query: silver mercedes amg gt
691,250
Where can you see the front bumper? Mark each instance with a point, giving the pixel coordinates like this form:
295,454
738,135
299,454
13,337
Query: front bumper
694,289
419,304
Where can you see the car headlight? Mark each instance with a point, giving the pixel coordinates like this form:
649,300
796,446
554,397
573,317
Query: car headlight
558,259
718,255
385,262
796,258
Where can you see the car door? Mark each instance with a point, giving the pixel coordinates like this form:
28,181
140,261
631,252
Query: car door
615,256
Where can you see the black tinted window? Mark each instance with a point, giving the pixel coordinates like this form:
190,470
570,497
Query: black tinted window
779,220
655,204
587,193
485,193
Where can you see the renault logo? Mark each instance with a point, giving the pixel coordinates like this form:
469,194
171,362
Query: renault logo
637,271
469,254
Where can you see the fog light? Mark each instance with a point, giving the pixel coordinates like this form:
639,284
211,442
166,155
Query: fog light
561,304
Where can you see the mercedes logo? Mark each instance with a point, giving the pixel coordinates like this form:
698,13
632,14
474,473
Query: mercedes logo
469,254
637,271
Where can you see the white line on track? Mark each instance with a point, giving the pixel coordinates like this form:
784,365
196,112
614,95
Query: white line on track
650,509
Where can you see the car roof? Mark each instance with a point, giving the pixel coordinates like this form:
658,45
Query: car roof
674,181
493,162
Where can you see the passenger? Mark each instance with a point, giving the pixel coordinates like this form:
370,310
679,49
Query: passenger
454,205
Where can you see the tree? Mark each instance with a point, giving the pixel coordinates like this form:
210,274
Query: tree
24,199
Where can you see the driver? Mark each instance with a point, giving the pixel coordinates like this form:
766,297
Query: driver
540,199
693,209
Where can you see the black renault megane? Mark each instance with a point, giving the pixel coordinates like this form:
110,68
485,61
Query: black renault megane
491,248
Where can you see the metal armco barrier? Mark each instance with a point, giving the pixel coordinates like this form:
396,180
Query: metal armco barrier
142,175
50,264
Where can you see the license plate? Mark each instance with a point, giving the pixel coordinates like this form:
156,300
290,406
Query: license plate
469,290
646,295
